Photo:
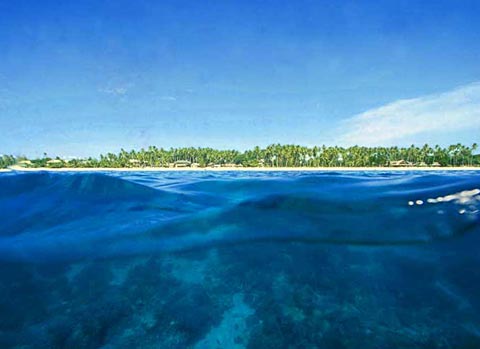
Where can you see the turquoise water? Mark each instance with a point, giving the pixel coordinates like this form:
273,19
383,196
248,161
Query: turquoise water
240,260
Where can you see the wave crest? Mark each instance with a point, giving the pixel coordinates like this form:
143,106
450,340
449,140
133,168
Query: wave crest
69,216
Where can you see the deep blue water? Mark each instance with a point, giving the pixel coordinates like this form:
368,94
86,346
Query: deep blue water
235,260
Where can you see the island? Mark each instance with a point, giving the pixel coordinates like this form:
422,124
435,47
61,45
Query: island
270,158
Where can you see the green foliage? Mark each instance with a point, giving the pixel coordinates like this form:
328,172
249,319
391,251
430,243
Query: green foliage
275,155
7,160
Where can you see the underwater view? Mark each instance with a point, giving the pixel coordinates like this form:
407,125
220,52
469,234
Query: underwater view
240,260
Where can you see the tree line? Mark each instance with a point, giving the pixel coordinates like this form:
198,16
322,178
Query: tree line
274,155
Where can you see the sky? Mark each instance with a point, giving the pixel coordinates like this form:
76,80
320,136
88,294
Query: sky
80,78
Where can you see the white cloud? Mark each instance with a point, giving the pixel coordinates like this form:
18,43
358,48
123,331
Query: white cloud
452,111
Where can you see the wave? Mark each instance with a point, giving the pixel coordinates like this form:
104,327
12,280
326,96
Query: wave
70,216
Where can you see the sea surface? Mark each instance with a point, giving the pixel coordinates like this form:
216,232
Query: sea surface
240,260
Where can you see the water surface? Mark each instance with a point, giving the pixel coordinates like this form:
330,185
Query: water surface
240,260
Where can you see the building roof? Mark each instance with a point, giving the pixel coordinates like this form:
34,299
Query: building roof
400,163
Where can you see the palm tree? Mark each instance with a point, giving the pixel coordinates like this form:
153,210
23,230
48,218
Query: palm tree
474,149
276,155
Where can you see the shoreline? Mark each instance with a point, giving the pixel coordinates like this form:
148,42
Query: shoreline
239,169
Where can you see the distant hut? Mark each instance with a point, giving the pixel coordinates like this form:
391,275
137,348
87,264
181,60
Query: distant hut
134,162
25,163
195,165
54,163
436,164
182,163
400,163
397,163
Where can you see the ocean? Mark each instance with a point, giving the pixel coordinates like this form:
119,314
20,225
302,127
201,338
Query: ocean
240,260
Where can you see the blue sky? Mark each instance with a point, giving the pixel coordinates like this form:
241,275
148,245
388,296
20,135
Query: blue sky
79,78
